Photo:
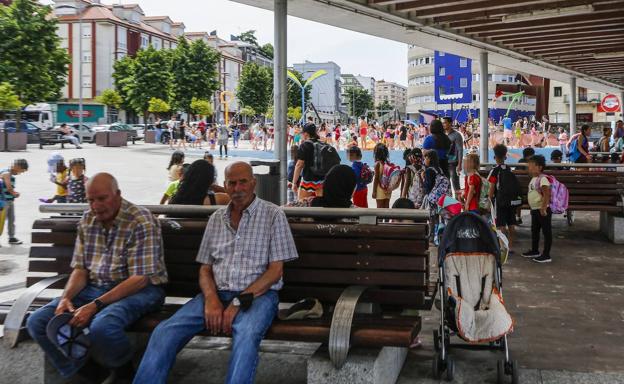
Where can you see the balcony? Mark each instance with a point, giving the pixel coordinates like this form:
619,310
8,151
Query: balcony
589,98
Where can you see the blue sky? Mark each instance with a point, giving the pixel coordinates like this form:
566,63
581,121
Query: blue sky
354,52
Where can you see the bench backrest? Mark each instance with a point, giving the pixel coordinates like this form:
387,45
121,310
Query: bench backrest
589,190
392,259
50,134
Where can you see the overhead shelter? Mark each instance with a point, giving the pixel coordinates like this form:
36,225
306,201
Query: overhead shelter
579,42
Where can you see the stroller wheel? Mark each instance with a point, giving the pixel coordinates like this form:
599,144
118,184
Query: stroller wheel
436,340
515,373
450,369
437,367
500,372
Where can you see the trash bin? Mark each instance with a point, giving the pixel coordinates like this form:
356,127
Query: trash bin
267,184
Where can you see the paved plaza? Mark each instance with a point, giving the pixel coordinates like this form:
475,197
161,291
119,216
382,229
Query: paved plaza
567,314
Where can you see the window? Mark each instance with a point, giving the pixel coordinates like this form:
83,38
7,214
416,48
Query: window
558,92
463,82
427,60
86,57
441,90
582,94
441,53
463,62
86,81
489,77
442,71
86,30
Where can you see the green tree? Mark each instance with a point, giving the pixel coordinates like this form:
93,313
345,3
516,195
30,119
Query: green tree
294,91
158,106
268,50
385,106
255,87
150,77
31,58
249,37
194,73
294,113
201,107
123,78
110,98
9,101
359,99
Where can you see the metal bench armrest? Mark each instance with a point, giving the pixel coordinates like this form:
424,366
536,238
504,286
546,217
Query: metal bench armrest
340,330
15,317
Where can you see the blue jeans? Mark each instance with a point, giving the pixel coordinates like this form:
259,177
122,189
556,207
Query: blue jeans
172,335
110,345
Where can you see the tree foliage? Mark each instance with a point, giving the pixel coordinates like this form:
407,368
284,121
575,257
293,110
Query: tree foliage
294,113
385,106
194,73
255,87
201,107
31,58
157,106
249,37
268,50
9,101
359,99
110,98
122,79
150,78
294,91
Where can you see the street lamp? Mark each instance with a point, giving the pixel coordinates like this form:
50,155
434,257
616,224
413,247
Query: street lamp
80,10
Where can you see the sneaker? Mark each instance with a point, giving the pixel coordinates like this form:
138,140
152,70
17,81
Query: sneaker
542,259
15,241
47,201
530,254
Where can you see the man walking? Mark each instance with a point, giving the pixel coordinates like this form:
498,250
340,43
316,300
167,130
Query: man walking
242,254
455,155
118,268
9,194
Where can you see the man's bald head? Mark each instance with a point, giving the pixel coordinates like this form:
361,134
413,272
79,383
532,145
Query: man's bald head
240,184
104,197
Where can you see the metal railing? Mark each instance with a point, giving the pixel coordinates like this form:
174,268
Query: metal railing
617,167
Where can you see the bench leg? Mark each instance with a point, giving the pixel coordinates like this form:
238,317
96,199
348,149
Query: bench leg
612,225
340,330
15,317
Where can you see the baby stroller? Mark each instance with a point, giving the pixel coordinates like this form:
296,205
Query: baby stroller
471,302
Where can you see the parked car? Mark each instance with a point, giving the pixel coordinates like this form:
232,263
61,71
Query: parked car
100,128
83,132
31,129
140,128
117,127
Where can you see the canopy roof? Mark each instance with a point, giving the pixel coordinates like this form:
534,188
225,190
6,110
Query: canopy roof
548,38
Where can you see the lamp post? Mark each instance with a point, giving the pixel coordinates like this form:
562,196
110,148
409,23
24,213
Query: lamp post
80,11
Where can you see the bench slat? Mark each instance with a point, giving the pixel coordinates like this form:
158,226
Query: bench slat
373,245
348,277
351,261
383,231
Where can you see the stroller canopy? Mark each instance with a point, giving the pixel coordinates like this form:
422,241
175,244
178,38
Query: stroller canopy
468,232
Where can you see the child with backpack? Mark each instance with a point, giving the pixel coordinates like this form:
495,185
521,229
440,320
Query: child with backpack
473,183
539,197
505,193
412,183
363,177
381,193
435,185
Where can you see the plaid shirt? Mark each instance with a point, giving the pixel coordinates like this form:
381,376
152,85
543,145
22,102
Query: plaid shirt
239,258
132,246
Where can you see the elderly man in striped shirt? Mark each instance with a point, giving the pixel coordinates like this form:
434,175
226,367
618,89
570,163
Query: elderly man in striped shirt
118,268
242,254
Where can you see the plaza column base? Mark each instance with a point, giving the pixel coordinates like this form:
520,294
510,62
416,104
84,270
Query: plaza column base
612,225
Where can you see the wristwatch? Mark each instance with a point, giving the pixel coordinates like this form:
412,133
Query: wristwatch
99,305
236,302
243,301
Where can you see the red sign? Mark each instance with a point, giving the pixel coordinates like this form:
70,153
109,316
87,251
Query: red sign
609,103
76,113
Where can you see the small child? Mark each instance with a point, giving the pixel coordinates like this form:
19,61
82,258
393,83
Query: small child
541,215
291,171
360,195
173,186
60,179
526,154
175,164
472,182
412,187
504,192
76,182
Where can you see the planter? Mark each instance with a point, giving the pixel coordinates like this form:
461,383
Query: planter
111,139
13,141
150,137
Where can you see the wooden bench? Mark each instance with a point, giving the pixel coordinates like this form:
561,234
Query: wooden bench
342,264
591,187
52,137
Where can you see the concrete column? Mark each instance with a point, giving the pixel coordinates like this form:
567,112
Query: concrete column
280,12
621,105
572,105
483,116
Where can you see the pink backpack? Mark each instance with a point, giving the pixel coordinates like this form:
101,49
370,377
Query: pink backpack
558,194
390,176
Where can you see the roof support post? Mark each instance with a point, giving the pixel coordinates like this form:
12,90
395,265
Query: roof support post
572,105
280,120
483,116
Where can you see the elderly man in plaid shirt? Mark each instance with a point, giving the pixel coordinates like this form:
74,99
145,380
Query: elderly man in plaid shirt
118,268
242,254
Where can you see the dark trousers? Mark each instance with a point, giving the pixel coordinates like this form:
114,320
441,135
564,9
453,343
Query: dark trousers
444,165
454,177
543,224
